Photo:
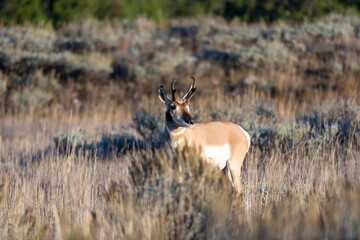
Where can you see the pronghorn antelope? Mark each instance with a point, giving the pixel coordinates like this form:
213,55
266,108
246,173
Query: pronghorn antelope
221,143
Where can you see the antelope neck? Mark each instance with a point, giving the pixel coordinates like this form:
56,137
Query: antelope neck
175,132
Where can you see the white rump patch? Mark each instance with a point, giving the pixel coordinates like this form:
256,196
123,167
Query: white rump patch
247,136
217,155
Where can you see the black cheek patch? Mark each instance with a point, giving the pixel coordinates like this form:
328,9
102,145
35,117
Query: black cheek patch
168,116
187,117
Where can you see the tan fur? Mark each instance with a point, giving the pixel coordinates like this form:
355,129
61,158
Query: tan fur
212,134
215,134
226,141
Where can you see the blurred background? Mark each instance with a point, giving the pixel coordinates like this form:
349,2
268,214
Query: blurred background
91,54
58,12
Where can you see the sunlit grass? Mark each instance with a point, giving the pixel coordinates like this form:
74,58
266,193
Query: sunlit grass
293,187
82,152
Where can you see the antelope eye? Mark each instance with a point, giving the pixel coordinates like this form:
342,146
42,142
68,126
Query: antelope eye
172,107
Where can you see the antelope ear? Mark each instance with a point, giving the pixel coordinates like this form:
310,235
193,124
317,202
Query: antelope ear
162,95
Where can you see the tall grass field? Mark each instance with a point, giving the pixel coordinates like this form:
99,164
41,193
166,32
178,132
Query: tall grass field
82,150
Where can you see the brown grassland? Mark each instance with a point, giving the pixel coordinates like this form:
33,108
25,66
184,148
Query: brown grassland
81,130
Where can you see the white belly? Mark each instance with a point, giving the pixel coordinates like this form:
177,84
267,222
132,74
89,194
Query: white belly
217,155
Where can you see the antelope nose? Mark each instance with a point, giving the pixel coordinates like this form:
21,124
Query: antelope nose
192,122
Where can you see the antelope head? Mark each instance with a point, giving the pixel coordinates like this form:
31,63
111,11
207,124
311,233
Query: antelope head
178,109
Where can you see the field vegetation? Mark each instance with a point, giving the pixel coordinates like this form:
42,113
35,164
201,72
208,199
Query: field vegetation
60,12
82,154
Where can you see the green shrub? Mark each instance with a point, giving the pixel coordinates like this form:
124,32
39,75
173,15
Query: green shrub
69,143
29,100
150,127
23,11
118,143
60,12
294,10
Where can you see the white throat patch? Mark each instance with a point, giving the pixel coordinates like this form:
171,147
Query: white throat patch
173,133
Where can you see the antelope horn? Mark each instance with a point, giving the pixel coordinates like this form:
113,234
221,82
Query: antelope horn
173,89
191,90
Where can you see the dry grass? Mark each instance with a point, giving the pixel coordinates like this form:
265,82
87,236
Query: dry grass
81,131
294,191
